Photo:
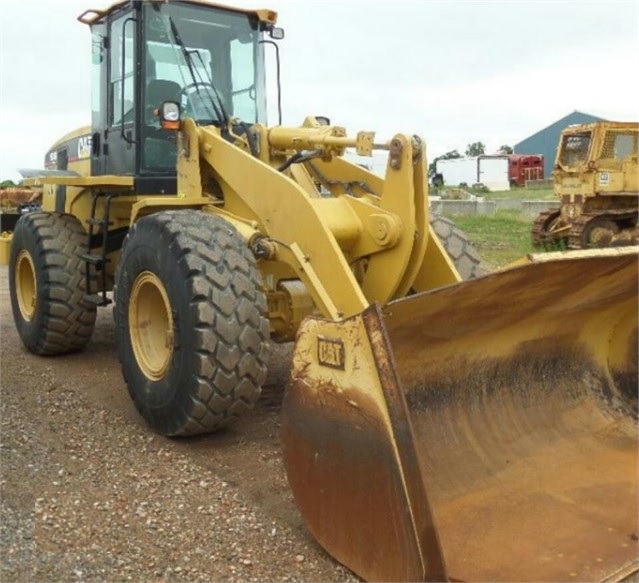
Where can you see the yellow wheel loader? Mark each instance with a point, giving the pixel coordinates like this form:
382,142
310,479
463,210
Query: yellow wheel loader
596,177
434,428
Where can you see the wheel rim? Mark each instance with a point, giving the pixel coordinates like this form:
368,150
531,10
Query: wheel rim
151,325
26,285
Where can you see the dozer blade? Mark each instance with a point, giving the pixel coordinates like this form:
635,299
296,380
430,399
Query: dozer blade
485,431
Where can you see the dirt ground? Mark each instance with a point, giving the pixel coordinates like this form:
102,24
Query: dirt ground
89,492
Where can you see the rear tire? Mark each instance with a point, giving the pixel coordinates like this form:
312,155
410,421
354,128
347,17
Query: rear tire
458,246
47,284
190,327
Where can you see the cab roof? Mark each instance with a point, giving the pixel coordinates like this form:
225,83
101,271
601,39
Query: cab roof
95,15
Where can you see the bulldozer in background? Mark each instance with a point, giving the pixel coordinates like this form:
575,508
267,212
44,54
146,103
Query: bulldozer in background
596,178
433,428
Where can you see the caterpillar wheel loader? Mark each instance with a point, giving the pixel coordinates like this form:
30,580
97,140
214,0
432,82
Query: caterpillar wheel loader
433,428
596,177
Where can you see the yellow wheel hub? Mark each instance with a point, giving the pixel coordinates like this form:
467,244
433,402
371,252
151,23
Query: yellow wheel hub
151,325
26,285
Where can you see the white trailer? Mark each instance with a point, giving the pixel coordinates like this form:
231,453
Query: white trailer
491,171
456,171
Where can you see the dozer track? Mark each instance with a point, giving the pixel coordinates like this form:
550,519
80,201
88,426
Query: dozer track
540,234
597,229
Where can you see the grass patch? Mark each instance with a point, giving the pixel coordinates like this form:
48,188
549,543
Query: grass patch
499,239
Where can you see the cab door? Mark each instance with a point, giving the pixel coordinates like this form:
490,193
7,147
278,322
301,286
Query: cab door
115,95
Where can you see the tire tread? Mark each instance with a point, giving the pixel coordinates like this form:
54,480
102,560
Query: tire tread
227,304
458,246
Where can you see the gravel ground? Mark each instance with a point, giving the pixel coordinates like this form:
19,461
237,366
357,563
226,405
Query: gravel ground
88,492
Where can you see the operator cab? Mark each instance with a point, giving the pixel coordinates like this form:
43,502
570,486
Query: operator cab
207,58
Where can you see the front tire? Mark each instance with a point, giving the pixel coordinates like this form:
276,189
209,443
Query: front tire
190,327
47,284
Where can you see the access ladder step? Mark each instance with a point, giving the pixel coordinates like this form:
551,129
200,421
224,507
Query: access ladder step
99,222
98,299
96,260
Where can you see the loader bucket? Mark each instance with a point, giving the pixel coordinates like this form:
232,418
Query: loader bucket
485,431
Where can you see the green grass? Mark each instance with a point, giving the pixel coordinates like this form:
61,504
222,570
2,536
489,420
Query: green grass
499,239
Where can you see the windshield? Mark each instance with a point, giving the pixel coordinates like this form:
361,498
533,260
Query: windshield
210,57
209,60
574,149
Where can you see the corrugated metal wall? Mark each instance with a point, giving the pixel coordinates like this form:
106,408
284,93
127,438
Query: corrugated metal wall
545,141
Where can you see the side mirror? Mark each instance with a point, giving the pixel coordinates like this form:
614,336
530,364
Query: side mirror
169,114
276,33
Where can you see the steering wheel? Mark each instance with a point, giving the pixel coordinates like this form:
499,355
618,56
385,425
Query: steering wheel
188,88
202,105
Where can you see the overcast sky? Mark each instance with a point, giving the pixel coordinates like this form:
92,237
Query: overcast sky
454,72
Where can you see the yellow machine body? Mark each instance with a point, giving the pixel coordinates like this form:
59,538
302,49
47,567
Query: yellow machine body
361,239
596,178
5,247
433,428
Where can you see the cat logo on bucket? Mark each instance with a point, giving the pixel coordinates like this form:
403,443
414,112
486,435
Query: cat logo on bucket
330,352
